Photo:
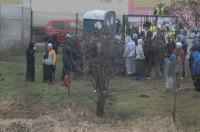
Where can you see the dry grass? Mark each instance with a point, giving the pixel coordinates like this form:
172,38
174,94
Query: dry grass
75,119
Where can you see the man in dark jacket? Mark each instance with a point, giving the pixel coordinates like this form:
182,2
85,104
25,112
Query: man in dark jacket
67,56
30,62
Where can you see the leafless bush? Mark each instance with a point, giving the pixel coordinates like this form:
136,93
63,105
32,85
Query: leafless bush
99,56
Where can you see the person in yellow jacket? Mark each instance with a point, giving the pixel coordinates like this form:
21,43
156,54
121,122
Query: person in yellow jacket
51,63
152,28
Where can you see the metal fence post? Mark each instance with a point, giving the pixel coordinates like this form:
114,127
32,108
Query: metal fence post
76,25
124,26
31,26
22,21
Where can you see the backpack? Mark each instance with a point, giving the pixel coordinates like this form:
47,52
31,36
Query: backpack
196,63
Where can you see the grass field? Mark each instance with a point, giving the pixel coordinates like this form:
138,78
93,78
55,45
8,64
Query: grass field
128,101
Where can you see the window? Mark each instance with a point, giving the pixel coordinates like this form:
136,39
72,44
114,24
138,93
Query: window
58,25
72,26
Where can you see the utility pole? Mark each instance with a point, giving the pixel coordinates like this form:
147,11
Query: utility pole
22,8
31,26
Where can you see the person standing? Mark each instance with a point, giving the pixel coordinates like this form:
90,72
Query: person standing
179,65
51,62
67,57
147,35
129,55
140,60
182,39
195,70
30,62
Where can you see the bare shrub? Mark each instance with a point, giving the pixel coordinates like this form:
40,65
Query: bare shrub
99,54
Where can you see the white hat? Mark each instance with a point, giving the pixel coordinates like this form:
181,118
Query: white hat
49,45
178,44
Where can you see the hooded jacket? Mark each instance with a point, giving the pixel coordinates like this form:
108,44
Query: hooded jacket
129,49
30,53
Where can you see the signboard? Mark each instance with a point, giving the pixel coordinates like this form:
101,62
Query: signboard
162,22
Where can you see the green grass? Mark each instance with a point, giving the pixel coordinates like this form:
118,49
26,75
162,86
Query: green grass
128,100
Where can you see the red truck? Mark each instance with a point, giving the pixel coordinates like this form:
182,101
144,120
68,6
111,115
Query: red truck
61,28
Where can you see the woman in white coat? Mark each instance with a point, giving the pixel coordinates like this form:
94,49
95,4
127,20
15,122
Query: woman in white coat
129,55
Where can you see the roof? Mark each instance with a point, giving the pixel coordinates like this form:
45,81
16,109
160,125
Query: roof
95,14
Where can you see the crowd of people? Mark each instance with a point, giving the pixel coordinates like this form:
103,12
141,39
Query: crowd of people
149,54
162,53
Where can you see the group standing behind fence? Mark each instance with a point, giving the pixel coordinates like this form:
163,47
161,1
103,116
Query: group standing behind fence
162,53
149,54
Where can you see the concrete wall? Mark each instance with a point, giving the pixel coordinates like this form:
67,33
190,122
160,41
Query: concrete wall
43,10
14,27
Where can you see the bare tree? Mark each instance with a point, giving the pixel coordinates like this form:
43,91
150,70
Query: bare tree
186,10
98,58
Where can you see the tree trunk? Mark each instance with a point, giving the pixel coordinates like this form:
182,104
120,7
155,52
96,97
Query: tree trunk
100,104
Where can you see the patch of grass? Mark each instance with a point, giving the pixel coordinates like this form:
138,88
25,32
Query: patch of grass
128,99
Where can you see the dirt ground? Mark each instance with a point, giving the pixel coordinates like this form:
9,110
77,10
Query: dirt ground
35,116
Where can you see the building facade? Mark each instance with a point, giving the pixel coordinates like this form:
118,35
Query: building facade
43,10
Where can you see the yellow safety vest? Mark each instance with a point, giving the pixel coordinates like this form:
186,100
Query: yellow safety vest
173,32
153,29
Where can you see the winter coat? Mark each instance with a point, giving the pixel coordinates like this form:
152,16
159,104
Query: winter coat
180,59
67,51
139,52
30,53
169,65
180,54
129,50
